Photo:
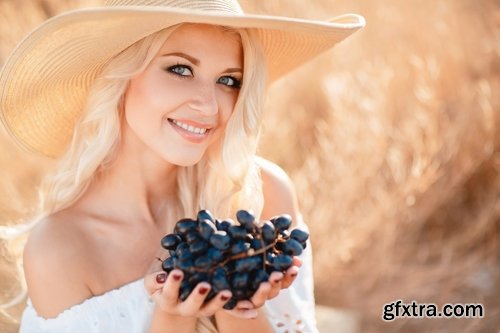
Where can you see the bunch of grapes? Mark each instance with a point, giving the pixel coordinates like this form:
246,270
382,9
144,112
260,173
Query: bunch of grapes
229,255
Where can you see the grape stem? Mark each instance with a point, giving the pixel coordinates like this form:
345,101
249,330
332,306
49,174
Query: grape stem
246,254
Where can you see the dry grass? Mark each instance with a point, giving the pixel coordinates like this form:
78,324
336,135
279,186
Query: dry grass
392,140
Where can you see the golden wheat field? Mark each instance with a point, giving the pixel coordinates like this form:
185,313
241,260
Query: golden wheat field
393,142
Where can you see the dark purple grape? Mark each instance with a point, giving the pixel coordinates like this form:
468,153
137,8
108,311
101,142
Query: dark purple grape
240,280
256,244
231,304
239,247
198,277
206,228
184,290
168,264
237,232
246,219
198,247
258,277
270,258
268,232
282,222
224,224
205,215
299,235
239,294
185,265
182,252
219,283
220,271
282,262
292,247
247,264
192,236
220,240
211,295
170,241
203,262
215,254
184,225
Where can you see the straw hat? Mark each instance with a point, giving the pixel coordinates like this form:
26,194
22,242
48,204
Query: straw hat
44,82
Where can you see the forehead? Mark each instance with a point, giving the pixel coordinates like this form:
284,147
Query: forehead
204,40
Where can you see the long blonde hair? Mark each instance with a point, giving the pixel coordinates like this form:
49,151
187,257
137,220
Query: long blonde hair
226,179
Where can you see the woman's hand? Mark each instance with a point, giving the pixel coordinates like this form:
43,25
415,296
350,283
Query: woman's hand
164,290
267,290
227,320
277,281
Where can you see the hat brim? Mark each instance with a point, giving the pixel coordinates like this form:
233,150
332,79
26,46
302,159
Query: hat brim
44,82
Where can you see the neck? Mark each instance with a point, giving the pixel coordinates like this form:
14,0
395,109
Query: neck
137,186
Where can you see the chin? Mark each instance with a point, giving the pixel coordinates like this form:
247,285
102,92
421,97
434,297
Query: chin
183,161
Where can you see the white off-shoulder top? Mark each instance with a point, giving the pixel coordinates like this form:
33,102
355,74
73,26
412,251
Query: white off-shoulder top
129,309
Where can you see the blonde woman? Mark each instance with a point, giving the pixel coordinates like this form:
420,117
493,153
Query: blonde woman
153,111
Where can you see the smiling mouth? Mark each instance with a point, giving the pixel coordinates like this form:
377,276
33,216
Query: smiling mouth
189,128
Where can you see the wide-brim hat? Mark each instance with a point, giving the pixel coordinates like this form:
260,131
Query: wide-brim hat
45,80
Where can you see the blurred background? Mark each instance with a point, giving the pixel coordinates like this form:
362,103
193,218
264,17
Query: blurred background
392,140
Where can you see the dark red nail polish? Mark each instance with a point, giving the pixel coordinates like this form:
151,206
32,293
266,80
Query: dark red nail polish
177,277
203,290
293,274
161,277
224,298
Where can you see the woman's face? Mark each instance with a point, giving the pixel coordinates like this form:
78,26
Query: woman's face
182,101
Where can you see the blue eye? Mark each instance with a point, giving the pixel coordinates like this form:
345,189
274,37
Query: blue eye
230,82
181,70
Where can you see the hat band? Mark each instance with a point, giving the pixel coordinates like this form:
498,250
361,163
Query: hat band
224,6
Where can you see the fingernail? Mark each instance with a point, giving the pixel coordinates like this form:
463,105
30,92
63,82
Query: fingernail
176,276
224,298
293,274
161,277
203,290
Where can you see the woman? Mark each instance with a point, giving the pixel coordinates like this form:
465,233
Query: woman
153,110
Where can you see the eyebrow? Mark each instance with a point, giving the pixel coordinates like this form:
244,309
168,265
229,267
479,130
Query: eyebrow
183,55
196,62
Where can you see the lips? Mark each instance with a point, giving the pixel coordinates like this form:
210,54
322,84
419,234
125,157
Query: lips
190,130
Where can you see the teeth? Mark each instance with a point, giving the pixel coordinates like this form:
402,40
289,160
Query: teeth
190,128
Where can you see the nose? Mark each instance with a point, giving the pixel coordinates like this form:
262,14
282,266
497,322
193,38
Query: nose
204,99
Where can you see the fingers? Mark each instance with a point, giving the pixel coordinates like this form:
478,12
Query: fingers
297,262
277,281
289,276
154,282
164,290
268,290
167,293
261,295
216,303
193,304
245,310
170,291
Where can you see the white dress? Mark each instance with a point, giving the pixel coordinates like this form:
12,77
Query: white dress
129,309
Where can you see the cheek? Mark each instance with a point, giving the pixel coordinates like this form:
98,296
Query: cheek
226,107
143,93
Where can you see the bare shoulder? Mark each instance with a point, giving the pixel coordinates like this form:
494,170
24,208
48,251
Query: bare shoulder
55,265
279,192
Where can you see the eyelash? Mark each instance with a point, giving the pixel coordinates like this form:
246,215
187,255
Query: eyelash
171,69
